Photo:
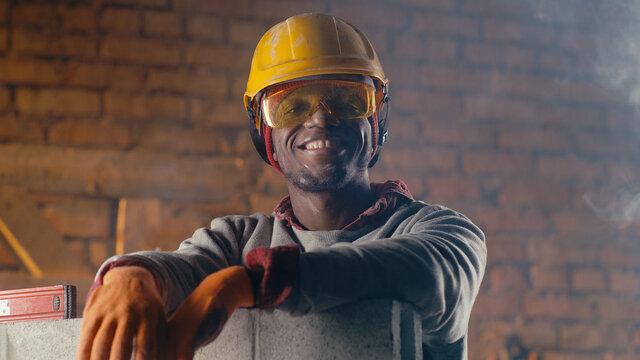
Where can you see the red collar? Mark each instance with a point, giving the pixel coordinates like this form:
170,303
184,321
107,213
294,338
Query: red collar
390,194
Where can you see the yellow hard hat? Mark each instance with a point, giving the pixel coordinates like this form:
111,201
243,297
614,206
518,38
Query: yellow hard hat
310,45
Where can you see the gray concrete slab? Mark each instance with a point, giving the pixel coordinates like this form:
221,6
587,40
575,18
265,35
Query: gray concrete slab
377,329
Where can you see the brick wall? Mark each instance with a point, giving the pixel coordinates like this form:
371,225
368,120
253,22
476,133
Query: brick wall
123,119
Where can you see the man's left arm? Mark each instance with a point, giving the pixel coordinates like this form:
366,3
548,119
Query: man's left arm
436,265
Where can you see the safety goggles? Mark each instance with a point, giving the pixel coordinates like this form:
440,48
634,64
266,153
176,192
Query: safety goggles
293,103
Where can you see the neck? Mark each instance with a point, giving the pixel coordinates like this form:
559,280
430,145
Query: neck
330,210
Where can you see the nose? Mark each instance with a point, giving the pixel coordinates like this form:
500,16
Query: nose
321,117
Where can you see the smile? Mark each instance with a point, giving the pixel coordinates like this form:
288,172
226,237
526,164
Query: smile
320,144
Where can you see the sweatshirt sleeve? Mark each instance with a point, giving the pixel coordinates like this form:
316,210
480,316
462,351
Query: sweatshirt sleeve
179,272
436,263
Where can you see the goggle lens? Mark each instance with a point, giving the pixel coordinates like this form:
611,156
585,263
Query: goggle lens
287,106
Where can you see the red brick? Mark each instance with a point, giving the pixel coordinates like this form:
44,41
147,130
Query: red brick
435,104
162,23
443,188
619,255
558,307
219,57
503,248
512,32
498,8
285,9
57,102
18,130
624,282
101,76
533,139
195,141
79,18
90,134
432,23
30,72
120,21
5,99
44,43
619,145
4,39
140,106
506,278
569,168
80,218
207,28
38,15
583,337
4,11
402,72
540,194
557,62
235,8
550,251
356,14
619,118
586,225
214,86
618,309
549,278
497,163
497,306
454,78
444,50
207,113
493,220
431,4
145,3
246,33
525,85
410,47
495,55
459,135
481,107
571,116
588,280
587,92
420,160
579,42
151,52
567,355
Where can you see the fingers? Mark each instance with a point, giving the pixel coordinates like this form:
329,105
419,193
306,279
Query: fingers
101,348
122,345
89,329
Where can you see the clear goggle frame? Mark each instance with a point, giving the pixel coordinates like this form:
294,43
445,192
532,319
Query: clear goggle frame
291,104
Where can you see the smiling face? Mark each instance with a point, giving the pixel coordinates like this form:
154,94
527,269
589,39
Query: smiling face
324,153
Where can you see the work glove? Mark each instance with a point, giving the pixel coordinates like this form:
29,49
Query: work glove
202,315
126,306
265,282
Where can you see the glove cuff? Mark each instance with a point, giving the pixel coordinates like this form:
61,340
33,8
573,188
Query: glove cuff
273,272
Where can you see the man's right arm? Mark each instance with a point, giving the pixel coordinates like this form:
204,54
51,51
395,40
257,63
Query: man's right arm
126,306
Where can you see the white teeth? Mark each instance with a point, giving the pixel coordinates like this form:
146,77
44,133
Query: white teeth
319,144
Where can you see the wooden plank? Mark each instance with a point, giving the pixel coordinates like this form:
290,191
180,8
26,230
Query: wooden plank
33,238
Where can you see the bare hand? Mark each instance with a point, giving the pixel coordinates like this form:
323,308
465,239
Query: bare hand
126,309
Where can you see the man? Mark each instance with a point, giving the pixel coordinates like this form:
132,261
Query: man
317,99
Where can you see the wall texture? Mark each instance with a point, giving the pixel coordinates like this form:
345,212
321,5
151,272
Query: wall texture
122,128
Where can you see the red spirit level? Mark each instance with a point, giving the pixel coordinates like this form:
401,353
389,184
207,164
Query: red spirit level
41,303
